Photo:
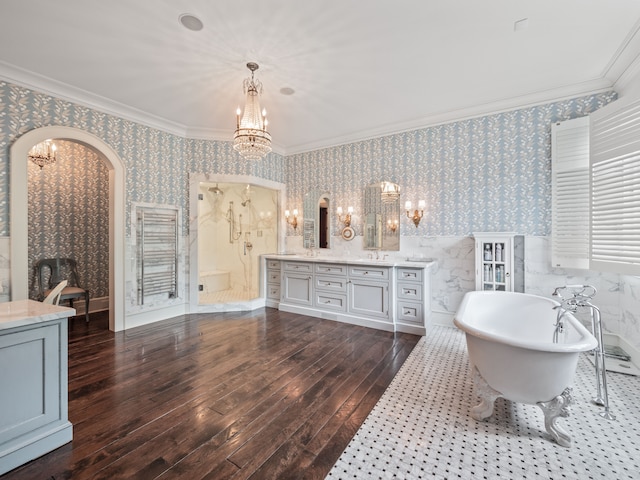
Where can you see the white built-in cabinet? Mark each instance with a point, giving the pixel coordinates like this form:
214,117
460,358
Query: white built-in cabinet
387,297
297,283
496,267
33,381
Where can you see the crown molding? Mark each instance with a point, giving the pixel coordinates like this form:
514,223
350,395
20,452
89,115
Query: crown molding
63,91
490,108
75,95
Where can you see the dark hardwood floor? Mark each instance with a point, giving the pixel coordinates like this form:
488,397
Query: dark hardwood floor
261,395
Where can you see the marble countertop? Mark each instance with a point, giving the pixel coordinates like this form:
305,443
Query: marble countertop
28,312
389,262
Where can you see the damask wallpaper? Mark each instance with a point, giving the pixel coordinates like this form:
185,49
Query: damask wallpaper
69,214
490,173
157,163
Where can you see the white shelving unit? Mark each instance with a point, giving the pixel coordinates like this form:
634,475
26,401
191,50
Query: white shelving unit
495,261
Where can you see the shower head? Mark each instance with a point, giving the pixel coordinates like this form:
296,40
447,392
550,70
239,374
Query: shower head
216,190
244,204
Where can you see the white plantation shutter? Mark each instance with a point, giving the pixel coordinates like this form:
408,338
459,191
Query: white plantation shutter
570,193
615,184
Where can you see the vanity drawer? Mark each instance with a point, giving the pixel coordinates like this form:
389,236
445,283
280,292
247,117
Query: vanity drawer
369,272
409,274
331,269
273,292
410,312
273,264
300,267
334,284
273,276
331,301
410,291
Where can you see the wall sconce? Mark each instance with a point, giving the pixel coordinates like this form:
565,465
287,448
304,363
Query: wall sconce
347,218
293,221
393,226
417,214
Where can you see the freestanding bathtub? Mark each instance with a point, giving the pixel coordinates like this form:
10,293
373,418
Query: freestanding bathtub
512,353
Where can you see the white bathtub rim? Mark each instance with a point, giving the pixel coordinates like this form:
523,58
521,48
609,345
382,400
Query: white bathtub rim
587,340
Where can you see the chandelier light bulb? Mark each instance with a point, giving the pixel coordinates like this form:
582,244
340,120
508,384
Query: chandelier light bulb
251,139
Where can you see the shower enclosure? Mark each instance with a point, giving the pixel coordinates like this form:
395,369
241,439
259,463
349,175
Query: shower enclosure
236,224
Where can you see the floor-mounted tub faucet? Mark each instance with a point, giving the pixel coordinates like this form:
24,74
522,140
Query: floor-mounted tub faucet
581,296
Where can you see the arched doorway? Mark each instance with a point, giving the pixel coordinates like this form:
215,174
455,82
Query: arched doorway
18,214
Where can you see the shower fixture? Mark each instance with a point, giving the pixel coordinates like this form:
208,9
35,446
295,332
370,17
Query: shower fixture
246,202
215,190
231,218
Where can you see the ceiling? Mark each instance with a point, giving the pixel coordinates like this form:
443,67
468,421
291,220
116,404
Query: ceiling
358,68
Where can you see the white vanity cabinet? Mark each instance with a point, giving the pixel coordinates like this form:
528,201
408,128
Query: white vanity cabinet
272,283
369,292
496,265
330,287
33,381
412,297
390,296
297,283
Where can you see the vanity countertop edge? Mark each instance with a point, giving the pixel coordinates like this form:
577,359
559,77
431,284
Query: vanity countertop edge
20,313
351,261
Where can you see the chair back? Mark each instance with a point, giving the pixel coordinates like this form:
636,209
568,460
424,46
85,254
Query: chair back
51,271
54,296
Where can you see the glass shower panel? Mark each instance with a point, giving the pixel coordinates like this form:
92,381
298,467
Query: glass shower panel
236,224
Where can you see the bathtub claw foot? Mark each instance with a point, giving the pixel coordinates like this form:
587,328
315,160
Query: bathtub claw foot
487,396
553,410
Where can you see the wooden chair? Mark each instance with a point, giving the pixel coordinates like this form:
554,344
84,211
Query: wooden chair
54,295
51,271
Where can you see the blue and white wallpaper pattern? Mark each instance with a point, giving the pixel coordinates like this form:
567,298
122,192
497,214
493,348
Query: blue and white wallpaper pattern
157,163
490,173
68,214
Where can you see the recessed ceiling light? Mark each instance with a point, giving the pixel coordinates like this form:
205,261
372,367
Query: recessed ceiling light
191,22
521,25
287,91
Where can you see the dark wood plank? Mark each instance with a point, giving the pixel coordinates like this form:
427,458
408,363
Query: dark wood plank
262,394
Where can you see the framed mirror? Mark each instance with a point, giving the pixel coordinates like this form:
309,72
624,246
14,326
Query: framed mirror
382,216
316,208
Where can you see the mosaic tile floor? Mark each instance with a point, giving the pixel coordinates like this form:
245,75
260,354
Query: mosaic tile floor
421,427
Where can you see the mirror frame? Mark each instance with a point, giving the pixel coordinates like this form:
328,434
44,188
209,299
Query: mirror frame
311,205
377,215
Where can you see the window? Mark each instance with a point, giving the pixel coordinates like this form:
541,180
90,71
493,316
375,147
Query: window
615,187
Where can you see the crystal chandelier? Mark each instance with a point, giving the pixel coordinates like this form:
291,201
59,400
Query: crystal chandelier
43,153
389,192
251,139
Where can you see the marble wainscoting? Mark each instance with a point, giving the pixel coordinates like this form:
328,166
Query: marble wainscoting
5,269
618,296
